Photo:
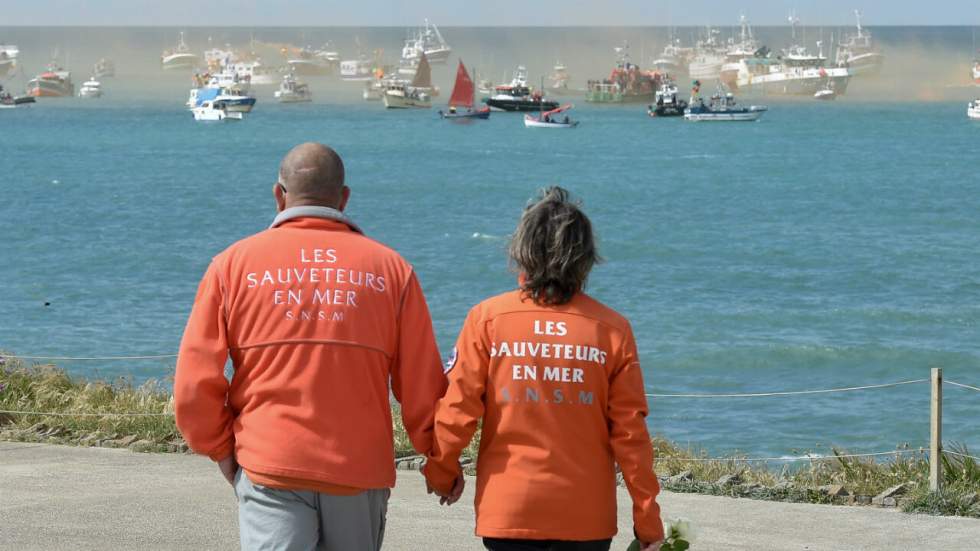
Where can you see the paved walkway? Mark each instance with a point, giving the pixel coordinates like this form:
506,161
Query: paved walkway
55,497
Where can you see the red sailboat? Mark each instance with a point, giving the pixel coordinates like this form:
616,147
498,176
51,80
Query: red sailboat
463,92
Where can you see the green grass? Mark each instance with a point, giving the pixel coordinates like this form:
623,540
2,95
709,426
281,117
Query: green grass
49,389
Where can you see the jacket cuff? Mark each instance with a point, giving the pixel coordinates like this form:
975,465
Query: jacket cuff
440,478
649,534
223,451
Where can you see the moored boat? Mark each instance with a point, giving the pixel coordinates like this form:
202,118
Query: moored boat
722,108
463,96
293,91
708,57
215,111
517,96
8,58
550,119
53,83
626,82
976,72
104,68
400,94
667,103
91,88
857,52
425,40
180,58
973,109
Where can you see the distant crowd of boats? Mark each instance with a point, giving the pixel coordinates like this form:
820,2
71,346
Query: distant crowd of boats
223,77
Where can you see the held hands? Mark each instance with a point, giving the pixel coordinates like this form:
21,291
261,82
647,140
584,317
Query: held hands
453,495
655,546
229,468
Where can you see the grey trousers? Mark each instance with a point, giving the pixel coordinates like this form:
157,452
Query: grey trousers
271,519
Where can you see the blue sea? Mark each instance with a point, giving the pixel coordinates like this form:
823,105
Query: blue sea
828,245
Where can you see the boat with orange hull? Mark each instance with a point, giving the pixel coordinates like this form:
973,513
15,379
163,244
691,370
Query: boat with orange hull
463,94
53,83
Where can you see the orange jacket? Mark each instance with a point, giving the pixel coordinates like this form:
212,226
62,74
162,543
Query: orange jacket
317,319
561,396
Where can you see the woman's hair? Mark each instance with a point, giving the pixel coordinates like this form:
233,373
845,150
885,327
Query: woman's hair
553,247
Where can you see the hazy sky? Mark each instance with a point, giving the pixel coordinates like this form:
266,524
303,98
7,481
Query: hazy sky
317,13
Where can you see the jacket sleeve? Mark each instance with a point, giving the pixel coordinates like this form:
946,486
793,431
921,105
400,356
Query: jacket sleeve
200,386
462,407
631,441
417,379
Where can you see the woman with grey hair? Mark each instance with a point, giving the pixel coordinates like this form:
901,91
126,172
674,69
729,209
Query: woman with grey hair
555,377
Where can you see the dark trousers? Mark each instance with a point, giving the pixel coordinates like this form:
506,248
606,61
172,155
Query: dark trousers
498,544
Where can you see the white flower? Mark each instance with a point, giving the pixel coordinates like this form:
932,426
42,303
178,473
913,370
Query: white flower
685,530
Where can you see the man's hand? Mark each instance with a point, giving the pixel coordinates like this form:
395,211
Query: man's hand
229,468
655,546
453,495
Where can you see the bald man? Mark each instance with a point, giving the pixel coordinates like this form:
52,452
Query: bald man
318,320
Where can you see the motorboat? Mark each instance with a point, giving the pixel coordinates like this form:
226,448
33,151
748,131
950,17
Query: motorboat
402,96
210,110
517,96
973,109
8,58
9,101
857,52
550,119
91,88
293,91
558,81
230,99
463,97
53,83
722,108
667,102
827,93
104,68
180,58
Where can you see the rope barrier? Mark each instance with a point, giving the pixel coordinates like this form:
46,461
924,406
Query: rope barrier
962,455
787,459
63,414
962,385
89,359
788,393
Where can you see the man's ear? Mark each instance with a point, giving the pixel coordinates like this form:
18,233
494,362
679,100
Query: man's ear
279,196
344,197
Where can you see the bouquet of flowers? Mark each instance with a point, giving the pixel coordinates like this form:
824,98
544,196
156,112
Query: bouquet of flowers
678,536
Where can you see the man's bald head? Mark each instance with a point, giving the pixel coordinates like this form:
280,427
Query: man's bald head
313,174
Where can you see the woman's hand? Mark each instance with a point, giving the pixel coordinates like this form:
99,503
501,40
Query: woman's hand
655,546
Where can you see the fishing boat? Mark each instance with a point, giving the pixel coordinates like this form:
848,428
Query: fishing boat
463,96
254,72
104,68
559,79
746,47
215,111
312,62
9,101
293,91
722,108
53,83
549,119
400,94
357,70
180,58
976,72
91,88
857,52
973,109
667,103
425,40
709,56
517,96
674,59
626,82
8,58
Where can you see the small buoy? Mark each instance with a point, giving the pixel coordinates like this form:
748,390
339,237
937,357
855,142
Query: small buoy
55,181
47,304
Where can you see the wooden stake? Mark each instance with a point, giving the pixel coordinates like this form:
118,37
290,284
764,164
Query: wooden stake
936,432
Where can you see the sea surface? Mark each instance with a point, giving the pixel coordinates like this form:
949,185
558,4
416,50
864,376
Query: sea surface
829,245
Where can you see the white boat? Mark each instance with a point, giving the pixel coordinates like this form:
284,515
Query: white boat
180,58
217,58
253,72
976,72
559,79
215,111
797,72
224,88
357,70
91,88
425,40
402,96
308,61
293,91
857,52
673,60
973,109
8,58
709,56
104,68
825,94
745,48
550,119
375,90
722,108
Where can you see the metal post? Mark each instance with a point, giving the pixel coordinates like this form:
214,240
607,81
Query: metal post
936,432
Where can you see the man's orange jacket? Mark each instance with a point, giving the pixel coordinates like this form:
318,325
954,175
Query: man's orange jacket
561,395
317,319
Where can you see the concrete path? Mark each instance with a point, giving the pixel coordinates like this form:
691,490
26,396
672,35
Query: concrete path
55,497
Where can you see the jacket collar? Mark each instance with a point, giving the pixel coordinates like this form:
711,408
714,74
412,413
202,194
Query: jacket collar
325,213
